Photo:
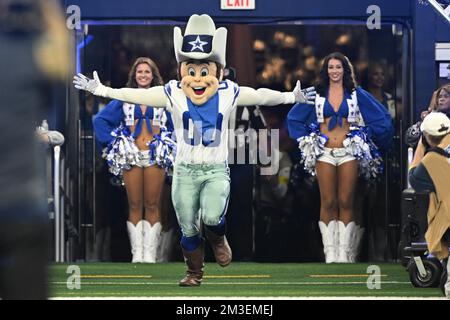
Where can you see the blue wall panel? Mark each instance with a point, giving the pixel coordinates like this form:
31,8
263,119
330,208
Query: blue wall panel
110,9
442,30
424,29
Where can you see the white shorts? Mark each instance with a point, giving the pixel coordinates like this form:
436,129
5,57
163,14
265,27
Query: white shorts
144,159
336,156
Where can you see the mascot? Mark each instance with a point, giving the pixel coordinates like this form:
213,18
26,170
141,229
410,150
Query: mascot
200,104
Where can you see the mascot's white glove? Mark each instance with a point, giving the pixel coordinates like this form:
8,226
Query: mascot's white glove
93,86
307,95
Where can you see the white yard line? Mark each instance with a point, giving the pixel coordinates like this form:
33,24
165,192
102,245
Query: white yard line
244,283
249,298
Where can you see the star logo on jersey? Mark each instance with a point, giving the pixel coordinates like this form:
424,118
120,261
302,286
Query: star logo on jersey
198,44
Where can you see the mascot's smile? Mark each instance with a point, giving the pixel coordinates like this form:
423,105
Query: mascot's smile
199,90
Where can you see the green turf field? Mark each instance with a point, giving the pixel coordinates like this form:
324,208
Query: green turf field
237,280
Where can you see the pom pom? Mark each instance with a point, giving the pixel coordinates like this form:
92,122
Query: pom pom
365,151
121,153
162,149
311,147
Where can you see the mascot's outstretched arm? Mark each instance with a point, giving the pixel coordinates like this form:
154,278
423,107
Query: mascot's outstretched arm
154,96
267,97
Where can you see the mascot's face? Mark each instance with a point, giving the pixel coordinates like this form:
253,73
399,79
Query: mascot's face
199,80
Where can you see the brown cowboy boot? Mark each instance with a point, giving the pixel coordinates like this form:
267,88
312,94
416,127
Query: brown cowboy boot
219,244
194,262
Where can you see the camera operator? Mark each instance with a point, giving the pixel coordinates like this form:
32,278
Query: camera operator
430,171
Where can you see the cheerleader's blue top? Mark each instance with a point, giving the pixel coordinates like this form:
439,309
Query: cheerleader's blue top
336,117
377,120
112,115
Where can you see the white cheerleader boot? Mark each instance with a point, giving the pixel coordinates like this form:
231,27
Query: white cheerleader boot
355,244
152,234
352,248
166,243
359,233
345,239
328,236
135,234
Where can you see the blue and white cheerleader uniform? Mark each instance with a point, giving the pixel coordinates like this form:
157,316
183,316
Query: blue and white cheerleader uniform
371,130
112,128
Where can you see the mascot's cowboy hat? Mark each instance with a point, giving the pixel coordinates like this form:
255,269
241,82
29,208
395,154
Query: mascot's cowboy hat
201,41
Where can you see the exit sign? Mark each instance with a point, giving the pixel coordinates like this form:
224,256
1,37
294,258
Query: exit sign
237,4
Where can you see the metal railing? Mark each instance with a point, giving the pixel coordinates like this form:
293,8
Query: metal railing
57,194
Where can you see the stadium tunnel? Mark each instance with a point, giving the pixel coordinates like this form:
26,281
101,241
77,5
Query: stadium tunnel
112,34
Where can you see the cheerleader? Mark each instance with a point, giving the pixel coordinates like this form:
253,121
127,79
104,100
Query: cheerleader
138,148
338,138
